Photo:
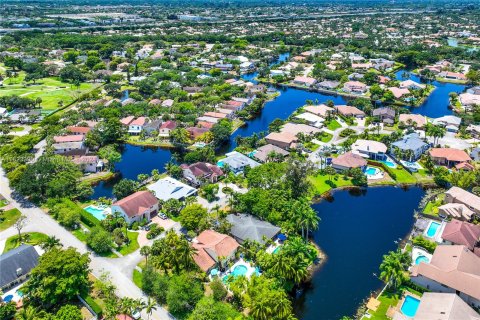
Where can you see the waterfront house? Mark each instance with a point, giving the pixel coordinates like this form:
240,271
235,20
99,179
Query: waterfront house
413,143
348,161
355,87
297,128
369,149
234,105
410,84
449,157
136,125
90,164
304,81
311,119
444,306
455,210
170,188
248,227
452,75
200,172
16,264
217,115
451,123
328,85
319,110
452,269
462,233
208,119
399,92
266,152
151,126
416,120
349,111
213,249
166,128
237,162
386,115
142,205
459,195
196,132
284,140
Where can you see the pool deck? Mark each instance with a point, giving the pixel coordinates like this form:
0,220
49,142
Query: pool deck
377,176
248,274
417,252
438,235
395,312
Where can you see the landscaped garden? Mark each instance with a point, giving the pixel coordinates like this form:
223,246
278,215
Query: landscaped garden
8,218
32,238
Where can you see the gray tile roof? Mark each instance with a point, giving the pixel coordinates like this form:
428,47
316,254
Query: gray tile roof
24,257
247,227
410,142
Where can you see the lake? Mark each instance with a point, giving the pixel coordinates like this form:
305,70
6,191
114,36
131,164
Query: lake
356,230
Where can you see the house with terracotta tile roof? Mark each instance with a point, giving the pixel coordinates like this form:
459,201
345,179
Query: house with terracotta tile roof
196,132
319,110
69,138
136,126
356,87
213,249
166,128
348,161
142,205
449,157
349,111
417,120
459,195
458,211
304,81
126,121
265,152
284,140
462,233
399,92
78,130
201,172
452,269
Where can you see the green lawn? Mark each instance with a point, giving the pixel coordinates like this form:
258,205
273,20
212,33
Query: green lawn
137,278
8,218
17,129
322,184
326,137
51,90
3,203
431,208
333,125
132,245
80,234
387,299
32,238
403,176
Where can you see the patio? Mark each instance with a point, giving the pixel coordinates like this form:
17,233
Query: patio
239,268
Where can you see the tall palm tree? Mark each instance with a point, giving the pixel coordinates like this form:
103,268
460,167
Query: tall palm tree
150,307
50,243
145,251
393,268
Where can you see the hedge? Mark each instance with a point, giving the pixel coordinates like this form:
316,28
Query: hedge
88,219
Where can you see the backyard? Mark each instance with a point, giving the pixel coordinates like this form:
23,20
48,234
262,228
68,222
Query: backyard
323,184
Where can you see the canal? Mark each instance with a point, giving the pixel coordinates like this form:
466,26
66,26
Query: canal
356,229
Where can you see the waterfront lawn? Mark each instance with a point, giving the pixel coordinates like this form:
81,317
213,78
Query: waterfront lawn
8,218
387,299
403,176
332,124
431,208
322,184
149,141
31,238
51,90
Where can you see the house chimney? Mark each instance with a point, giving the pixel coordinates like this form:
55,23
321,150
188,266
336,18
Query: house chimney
19,272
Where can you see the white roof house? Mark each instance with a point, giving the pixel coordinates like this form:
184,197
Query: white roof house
311,119
369,149
170,188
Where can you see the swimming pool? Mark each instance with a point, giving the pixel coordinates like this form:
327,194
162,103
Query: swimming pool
421,259
239,270
220,164
96,212
371,171
432,229
410,306
277,249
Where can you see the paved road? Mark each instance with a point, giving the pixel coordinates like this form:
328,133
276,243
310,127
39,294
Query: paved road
119,269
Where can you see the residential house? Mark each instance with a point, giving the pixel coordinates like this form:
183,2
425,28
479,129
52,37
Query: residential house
89,164
247,227
304,81
399,92
311,119
370,149
449,157
320,110
69,148
126,121
349,111
451,123
417,120
196,132
136,126
170,188
468,100
208,119
213,249
237,162
16,265
444,306
386,115
142,205
299,128
452,75
166,128
355,87
200,172
348,161
69,138
410,143
461,196
217,115
328,84
452,269
234,105
462,233
457,211
264,153
152,126
410,84
78,130
167,103
284,140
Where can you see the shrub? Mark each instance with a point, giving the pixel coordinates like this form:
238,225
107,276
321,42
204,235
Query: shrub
155,230
66,212
218,289
424,243
99,240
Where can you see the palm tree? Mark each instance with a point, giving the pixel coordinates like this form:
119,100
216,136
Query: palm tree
28,313
150,307
50,243
145,251
393,268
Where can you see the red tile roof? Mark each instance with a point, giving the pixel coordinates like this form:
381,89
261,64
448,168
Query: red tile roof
212,245
450,154
82,130
168,125
461,232
69,138
137,203
349,160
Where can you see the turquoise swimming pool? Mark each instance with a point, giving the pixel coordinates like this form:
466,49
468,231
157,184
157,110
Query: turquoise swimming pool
277,250
220,164
410,306
96,212
432,229
371,171
421,259
239,270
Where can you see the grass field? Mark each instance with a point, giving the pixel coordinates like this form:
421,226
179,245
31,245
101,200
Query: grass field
8,218
32,238
322,184
51,90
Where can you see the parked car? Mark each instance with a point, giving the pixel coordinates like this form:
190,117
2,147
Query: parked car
147,227
163,216
136,315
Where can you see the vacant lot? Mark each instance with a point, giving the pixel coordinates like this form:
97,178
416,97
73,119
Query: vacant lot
51,90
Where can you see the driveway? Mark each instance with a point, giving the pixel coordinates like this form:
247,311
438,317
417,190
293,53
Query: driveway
120,270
